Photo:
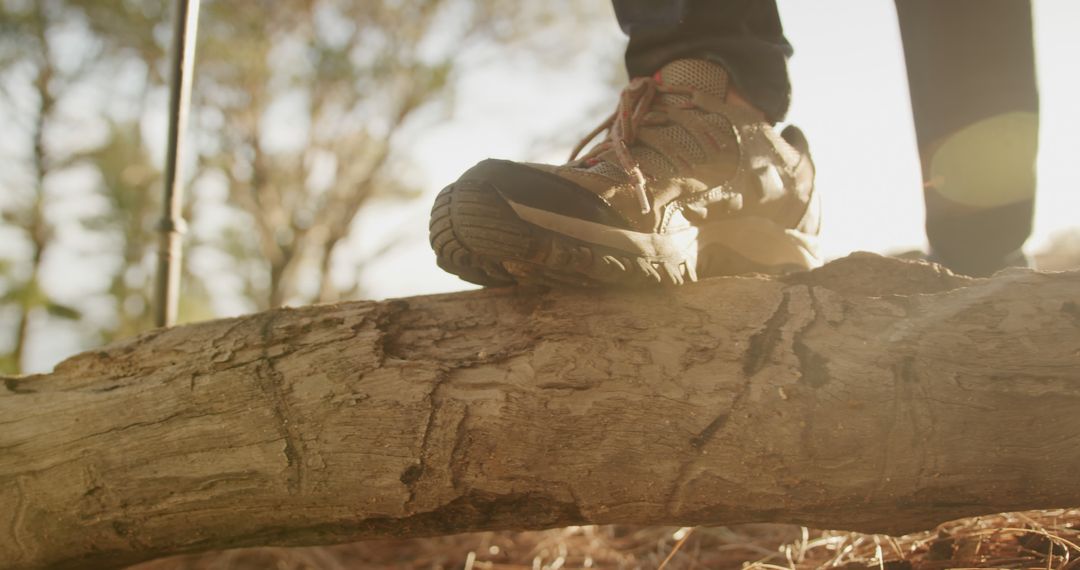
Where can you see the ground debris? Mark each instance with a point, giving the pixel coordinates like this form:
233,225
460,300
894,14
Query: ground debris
1034,539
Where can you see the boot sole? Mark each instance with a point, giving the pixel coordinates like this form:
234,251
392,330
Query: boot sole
484,238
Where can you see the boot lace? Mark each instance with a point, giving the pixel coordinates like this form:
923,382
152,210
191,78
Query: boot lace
635,109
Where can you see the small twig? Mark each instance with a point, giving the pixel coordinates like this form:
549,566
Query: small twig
676,548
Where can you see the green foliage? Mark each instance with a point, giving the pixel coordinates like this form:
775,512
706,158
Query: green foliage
8,365
63,311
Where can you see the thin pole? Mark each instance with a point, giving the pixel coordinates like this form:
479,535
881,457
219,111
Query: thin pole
172,224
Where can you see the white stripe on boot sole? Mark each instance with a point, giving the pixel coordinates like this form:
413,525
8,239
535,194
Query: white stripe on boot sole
760,240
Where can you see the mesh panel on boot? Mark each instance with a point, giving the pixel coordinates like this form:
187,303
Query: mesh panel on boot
653,163
697,73
610,170
721,129
702,75
715,119
683,141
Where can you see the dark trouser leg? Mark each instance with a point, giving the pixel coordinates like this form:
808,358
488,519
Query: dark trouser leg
745,36
971,69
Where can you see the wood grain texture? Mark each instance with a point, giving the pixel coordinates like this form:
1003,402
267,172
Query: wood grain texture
872,394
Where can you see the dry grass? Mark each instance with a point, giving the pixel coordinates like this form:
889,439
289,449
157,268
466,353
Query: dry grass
1038,540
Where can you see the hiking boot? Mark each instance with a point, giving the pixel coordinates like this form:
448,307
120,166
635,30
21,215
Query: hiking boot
690,182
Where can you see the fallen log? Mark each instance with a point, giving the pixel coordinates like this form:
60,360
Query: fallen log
872,394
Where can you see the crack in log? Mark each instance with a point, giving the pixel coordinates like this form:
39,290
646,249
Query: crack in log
108,388
703,437
412,475
271,382
386,322
457,451
475,509
718,423
158,421
763,342
566,386
761,347
699,440
14,385
813,367
21,505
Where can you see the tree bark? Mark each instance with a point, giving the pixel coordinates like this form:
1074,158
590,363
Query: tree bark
871,394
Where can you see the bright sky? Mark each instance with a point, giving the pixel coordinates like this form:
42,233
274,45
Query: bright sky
850,97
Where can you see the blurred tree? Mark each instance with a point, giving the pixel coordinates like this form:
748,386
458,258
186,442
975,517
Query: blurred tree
130,182
313,99
304,111
28,55
51,61
134,35
303,106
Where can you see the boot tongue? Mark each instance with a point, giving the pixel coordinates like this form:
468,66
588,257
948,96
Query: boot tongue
704,76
